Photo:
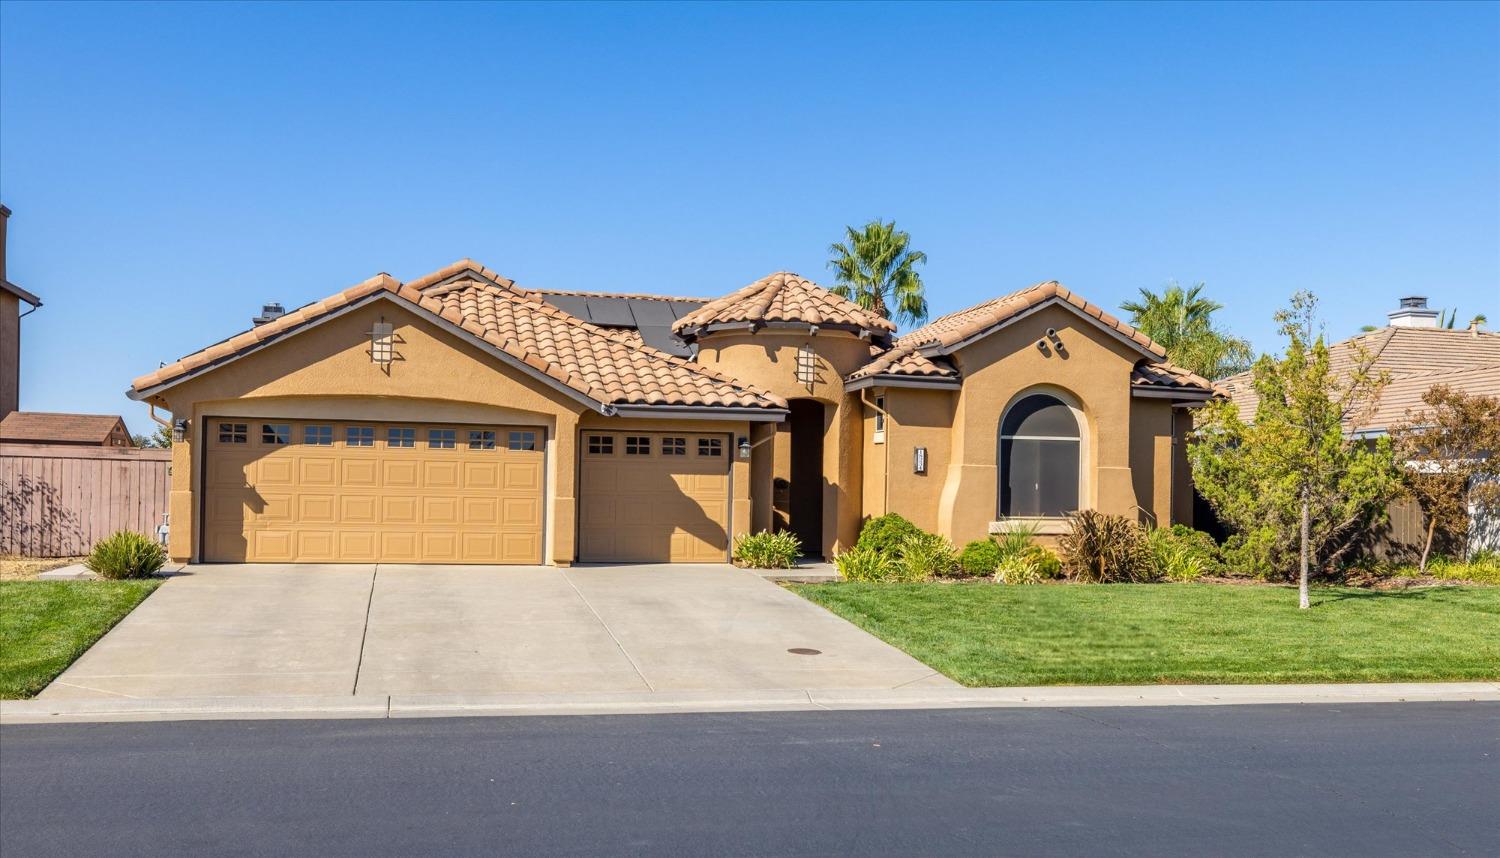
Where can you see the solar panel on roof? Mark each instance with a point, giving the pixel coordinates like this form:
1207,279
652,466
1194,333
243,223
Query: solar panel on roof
614,312
660,337
652,312
682,308
575,305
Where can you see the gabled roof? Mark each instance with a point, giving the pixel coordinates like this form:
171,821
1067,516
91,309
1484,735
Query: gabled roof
944,334
7,286
782,298
921,354
607,370
40,427
1415,358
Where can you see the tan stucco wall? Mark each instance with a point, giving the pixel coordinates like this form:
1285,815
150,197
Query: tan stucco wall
768,360
918,418
1093,372
1151,460
10,353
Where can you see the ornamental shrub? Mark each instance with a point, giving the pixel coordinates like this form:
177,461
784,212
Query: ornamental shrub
886,533
864,564
126,554
925,555
1103,548
979,558
1180,553
766,550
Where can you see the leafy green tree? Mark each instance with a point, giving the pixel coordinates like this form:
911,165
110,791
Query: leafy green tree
162,438
1181,321
1297,483
876,268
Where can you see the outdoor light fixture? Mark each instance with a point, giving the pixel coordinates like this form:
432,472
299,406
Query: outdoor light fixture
744,445
382,343
919,460
179,429
807,365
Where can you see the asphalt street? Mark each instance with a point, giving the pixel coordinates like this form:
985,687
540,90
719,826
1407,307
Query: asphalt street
1410,779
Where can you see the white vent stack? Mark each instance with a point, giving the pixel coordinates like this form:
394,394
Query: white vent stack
1413,313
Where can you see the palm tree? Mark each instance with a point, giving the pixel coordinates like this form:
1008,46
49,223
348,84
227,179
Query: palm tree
876,268
1181,321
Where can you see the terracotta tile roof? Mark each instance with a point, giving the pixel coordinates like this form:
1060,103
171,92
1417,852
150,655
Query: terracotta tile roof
600,364
957,327
1414,358
40,427
782,297
1171,377
903,361
634,296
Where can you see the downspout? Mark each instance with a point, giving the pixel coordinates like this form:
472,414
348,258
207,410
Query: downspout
151,409
885,476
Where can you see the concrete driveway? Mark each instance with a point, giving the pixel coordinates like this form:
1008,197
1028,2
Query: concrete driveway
305,630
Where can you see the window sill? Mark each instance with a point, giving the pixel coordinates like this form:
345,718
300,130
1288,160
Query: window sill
1043,525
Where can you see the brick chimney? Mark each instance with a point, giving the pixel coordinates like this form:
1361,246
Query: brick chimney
1413,313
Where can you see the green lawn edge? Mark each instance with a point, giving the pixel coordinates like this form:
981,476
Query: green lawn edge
986,635
46,625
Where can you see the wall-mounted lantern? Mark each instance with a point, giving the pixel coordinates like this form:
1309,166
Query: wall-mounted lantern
179,429
744,447
383,344
807,365
919,460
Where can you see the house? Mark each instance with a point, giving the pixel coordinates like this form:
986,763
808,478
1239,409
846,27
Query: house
1416,355
11,299
42,427
463,418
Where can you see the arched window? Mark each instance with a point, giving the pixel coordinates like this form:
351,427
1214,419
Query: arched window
1039,452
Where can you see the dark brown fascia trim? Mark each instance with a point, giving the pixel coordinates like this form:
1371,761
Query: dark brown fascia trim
931,382
1171,393
17,291
383,295
937,349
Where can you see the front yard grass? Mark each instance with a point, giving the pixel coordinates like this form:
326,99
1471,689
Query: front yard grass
46,625
1136,634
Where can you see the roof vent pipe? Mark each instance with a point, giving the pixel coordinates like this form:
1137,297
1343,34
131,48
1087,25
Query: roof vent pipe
269,312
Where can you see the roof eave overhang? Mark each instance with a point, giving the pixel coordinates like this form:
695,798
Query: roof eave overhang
7,286
752,326
383,295
938,349
1171,393
913,381
701,412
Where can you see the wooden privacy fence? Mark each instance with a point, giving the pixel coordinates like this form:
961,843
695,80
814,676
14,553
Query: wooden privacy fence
57,500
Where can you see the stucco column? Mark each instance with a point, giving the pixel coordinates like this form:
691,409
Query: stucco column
564,507
762,475
849,485
182,532
742,509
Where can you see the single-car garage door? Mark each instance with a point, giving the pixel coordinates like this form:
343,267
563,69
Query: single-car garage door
654,497
291,491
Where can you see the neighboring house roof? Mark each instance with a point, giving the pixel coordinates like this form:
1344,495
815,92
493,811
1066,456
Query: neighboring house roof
42,427
605,368
782,298
919,355
1415,358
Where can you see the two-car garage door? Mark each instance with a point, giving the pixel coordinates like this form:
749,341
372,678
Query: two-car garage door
283,491
303,491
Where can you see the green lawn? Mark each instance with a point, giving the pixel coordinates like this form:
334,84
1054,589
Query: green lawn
45,625
1125,634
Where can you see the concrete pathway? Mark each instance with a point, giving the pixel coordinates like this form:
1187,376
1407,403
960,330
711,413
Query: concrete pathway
377,632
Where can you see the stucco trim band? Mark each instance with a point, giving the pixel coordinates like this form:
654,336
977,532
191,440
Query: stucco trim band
942,383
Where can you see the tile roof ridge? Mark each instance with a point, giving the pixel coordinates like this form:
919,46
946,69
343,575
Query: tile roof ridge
640,296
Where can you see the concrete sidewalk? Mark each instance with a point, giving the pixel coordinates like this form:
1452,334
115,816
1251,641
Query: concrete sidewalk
62,711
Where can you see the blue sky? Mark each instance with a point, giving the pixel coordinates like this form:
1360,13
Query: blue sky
171,167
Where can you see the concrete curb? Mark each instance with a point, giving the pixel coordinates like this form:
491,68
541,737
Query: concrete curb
640,703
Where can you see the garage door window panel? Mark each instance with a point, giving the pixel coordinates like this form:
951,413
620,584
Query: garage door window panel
359,436
317,436
400,436
442,439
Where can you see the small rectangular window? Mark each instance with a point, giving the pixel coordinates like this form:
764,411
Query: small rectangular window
601,445
233,433
275,433
359,436
400,436
521,441
674,446
710,446
318,436
879,419
637,445
442,439
481,439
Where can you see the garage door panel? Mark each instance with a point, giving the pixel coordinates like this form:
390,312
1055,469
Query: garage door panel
654,506
321,491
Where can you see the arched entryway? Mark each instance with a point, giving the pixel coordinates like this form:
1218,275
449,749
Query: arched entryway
800,501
